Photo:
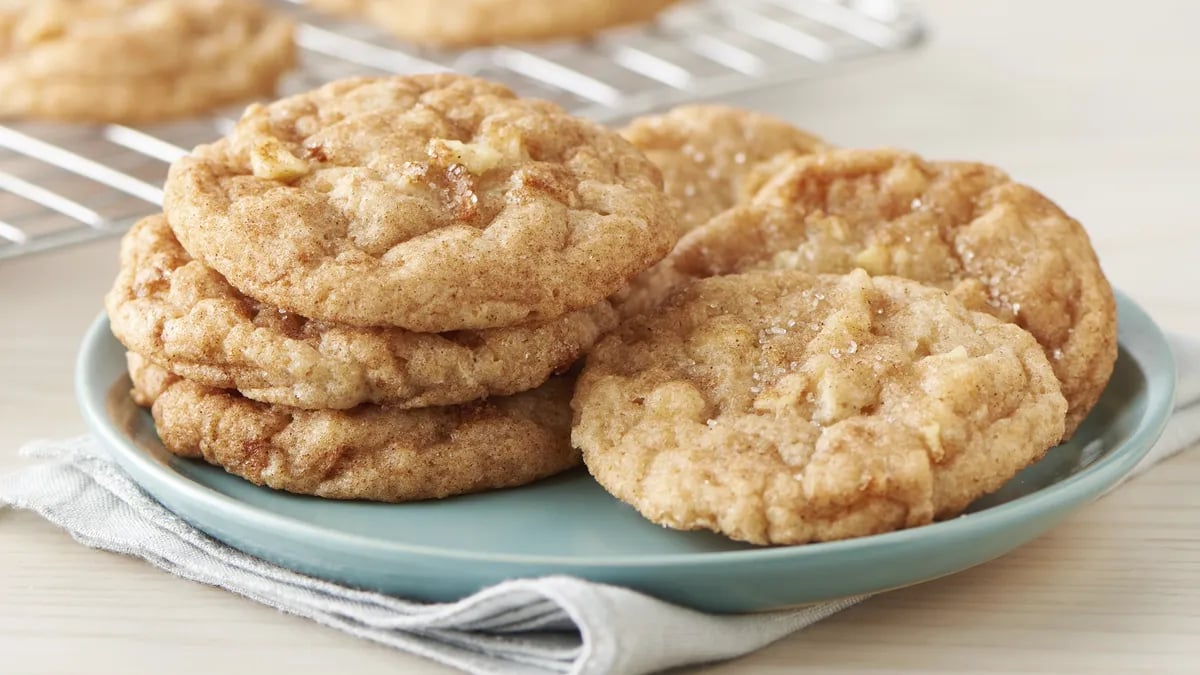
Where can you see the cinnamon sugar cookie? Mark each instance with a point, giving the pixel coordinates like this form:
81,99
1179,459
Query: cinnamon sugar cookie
183,315
781,407
711,157
432,203
136,60
709,154
996,245
370,452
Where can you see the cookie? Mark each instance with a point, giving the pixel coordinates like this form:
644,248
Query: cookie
462,23
137,61
712,157
709,154
370,452
781,407
432,202
183,315
998,246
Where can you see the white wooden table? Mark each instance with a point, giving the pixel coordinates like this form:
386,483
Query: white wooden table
1094,103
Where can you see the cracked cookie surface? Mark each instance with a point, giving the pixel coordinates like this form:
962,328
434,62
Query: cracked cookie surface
370,452
184,316
998,246
137,60
781,407
431,202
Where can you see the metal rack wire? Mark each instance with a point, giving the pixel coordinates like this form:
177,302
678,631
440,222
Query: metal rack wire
64,184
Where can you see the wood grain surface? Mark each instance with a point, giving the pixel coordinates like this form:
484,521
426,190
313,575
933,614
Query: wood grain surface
1096,104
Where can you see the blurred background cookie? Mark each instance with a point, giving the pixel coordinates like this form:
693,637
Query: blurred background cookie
137,61
462,23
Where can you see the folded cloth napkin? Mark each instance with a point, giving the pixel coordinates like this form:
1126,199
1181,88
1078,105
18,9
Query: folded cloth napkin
547,625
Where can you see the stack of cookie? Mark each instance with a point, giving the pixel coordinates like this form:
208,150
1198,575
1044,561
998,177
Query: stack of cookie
367,291
845,342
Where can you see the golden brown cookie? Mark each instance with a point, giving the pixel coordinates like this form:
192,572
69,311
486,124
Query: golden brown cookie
370,452
136,60
781,407
708,154
184,316
712,157
461,23
998,246
432,203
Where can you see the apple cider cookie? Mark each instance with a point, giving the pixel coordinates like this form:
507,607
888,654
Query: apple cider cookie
430,202
371,452
184,316
781,407
710,155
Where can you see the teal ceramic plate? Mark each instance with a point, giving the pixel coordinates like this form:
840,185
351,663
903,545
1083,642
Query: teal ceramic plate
568,525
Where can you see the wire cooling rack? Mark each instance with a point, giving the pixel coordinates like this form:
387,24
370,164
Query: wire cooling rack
64,184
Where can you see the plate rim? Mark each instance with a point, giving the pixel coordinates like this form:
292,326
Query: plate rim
1109,470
